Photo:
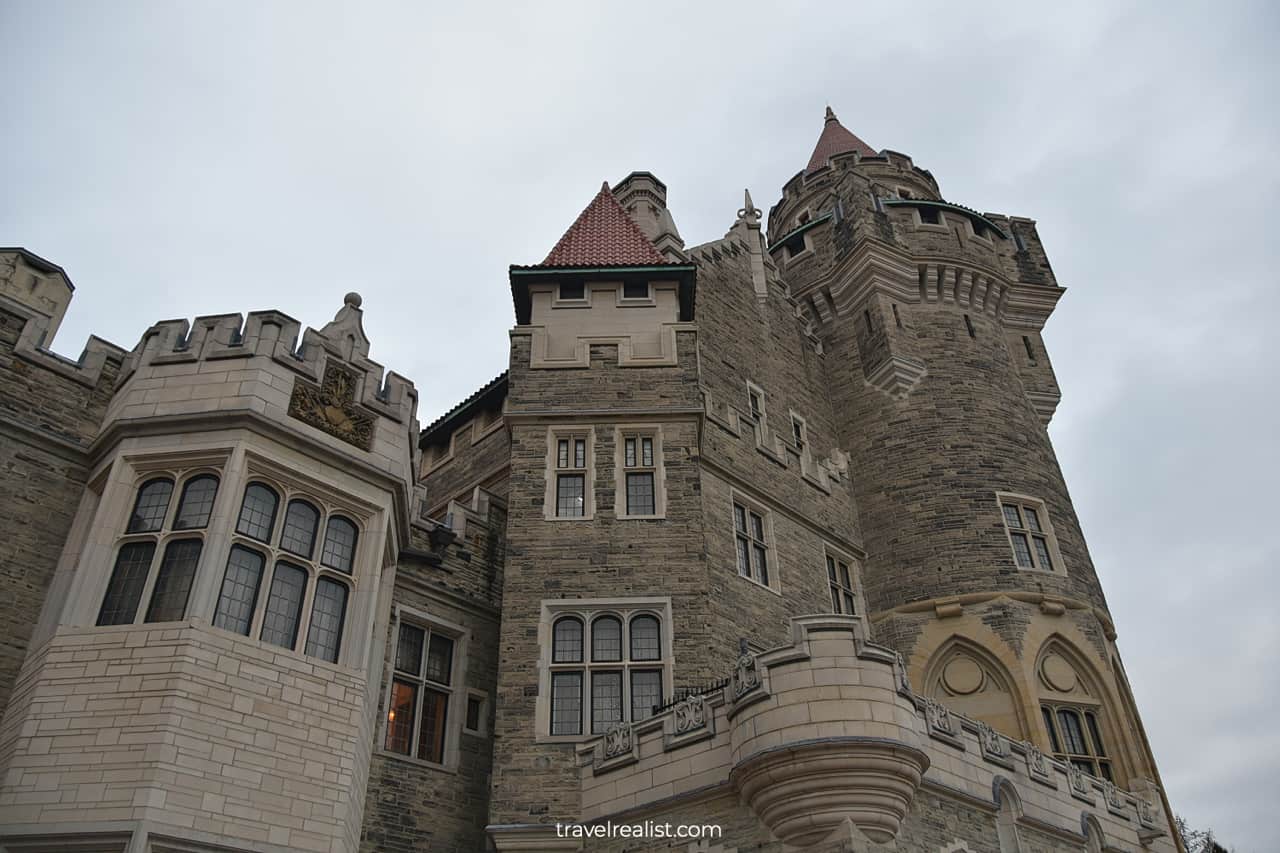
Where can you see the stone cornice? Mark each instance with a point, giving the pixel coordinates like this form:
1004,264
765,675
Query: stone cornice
1048,603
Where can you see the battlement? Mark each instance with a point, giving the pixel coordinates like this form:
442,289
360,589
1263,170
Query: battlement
275,335
835,707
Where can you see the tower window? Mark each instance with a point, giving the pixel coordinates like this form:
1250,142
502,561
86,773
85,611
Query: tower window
621,679
1030,535
1075,736
570,474
1031,353
897,318
799,431
840,580
755,402
635,290
866,316
968,324
1018,241
751,543
903,192
640,481
929,215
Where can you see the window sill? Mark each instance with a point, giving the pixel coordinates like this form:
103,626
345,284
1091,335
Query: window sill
409,759
568,740
655,517
756,583
570,518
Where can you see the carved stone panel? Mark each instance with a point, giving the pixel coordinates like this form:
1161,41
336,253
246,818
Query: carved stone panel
331,407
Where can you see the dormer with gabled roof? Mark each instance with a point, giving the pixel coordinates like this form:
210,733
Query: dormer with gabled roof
606,282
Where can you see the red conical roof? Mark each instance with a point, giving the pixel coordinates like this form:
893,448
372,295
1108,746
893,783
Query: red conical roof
835,139
604,236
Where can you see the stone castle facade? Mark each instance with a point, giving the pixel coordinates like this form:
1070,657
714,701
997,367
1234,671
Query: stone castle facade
766,533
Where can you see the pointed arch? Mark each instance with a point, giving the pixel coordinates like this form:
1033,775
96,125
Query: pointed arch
967,677
1094,840
1080,713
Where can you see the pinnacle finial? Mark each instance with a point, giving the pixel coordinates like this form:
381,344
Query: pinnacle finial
831,114
749,212
604,187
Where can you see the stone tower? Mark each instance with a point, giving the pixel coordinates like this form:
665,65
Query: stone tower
976,570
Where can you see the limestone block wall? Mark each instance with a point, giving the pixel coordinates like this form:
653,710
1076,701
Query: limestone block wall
189,729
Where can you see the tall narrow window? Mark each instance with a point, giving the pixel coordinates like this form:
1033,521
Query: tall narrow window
840,579
640,472
146,538
173,582
620,679
239,595
799,431
1031,353
421,693
1029,533
755,401
571,476
752,547
968,325
284,605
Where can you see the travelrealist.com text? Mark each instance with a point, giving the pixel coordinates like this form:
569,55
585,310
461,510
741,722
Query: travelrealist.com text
644,829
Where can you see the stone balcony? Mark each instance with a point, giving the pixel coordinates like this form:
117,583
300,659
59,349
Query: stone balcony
825,741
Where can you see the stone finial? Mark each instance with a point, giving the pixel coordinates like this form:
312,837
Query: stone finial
353,299
749,213
604,187
831,114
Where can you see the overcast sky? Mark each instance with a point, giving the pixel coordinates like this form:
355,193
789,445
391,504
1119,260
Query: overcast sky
181,159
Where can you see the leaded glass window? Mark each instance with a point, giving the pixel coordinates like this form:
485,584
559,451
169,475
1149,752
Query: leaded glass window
421,692
239,594
151,506
589,692
1030,538
173,582
196,504
1075,735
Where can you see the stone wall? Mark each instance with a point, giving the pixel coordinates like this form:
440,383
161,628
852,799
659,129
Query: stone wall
49,412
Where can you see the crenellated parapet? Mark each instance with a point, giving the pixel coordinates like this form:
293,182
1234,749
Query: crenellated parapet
317,382
825,740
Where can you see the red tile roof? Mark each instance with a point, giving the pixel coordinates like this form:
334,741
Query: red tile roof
835,139
604,236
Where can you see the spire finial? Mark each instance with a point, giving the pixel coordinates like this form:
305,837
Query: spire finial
749,213
604,187
831,114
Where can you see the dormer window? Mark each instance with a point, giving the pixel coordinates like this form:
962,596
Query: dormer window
571,291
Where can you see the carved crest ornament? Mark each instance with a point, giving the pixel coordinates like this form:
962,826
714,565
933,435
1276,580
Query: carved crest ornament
690,714
617,740
331,407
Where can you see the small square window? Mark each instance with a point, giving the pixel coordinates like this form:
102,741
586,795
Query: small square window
635,290
929,215
572,291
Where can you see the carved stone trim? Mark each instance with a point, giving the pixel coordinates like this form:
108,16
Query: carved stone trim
619,739
1078,783
690,714
1113,798
994,745
941,724
1038,765
331,406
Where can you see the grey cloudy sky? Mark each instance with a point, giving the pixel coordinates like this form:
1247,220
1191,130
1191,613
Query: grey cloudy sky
182,159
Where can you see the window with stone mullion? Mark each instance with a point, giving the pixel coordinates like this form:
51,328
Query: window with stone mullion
421,692
640,471
619,680
1075,736
1028,536
160,549
571,476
